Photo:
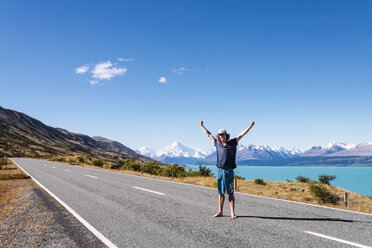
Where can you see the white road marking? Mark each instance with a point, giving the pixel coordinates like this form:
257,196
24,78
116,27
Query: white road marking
338,240
91,176
54,167
148,190
68,170
76,215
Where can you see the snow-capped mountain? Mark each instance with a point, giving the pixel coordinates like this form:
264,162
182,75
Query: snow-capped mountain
250,153
331,149
176,153
363,149
183,154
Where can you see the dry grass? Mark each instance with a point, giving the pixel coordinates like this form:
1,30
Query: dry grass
11,171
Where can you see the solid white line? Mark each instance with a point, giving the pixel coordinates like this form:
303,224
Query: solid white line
76,215
148,190
68,170
91,176
339,240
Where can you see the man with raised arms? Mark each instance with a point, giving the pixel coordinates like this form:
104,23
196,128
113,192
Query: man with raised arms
226,154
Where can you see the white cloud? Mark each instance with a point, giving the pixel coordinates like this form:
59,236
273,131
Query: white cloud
82,69
105,71
93,82
180,70
125,59
162,80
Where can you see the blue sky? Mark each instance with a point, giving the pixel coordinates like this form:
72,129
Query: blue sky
302,70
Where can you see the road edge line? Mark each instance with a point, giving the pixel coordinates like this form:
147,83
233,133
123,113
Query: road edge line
99,235
337,239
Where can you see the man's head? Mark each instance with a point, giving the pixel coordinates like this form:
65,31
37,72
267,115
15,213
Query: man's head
223,136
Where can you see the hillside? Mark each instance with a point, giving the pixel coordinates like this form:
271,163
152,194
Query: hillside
24,136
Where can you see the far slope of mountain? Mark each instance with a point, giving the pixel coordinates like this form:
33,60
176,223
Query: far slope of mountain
24,136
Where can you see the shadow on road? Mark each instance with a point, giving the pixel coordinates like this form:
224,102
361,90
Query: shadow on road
305,219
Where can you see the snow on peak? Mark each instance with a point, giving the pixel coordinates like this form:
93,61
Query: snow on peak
339,144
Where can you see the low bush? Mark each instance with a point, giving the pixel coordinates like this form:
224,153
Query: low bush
326,178
80,159
128,164
322,194
239,177
59,159
71,161
98,162
151,168
3,162
259,181
178,171
302,179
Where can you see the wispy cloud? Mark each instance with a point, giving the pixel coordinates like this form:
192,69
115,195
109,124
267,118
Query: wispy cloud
180,70
125,59
82,69
106,71
103,70
93,82
162,80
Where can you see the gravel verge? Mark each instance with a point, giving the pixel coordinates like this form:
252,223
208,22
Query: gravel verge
30,217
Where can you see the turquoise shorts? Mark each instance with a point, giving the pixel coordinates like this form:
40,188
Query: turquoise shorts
225,181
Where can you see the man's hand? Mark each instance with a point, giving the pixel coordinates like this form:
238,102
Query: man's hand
201,123
252,123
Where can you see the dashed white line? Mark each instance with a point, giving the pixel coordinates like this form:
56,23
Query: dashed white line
54,167
148,190
68,170
91,176
99,235
338,240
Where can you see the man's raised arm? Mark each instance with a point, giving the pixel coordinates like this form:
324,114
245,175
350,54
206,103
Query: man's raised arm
207,132
244,132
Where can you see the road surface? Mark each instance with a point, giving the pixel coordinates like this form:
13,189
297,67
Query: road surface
133,211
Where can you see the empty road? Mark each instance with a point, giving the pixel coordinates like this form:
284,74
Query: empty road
132,211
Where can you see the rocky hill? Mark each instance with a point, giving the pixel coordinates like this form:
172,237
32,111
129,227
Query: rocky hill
24,136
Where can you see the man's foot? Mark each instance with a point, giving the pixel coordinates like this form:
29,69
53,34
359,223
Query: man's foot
219,214
233,216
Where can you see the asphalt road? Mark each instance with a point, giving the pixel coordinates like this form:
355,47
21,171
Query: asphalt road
132,211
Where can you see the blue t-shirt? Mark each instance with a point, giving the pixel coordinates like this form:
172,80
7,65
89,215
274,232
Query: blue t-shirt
226,154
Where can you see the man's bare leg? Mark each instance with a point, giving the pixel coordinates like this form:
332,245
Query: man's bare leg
232,205
221,200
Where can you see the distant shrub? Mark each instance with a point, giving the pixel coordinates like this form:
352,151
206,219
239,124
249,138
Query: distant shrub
71,161
151,168
239,177
98,162
259,181
178,171
326,178
302,179
204,171
3,162
322,194
129,164
59,159
80,159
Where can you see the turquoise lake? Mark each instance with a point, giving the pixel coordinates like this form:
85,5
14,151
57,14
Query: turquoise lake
355,179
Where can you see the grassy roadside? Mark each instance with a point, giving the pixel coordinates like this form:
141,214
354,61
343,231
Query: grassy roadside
308,192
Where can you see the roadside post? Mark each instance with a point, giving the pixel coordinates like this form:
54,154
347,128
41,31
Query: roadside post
345,199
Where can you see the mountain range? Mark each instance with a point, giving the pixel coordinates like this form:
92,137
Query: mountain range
24,136
332,154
